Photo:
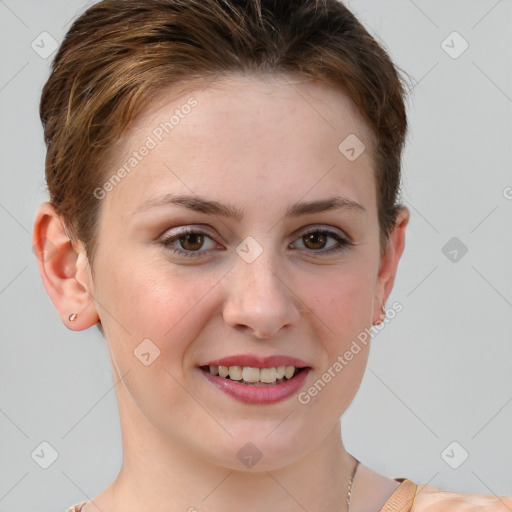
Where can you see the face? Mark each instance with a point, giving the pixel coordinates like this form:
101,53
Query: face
281,259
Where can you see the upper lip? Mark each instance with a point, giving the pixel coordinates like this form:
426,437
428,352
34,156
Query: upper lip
256,361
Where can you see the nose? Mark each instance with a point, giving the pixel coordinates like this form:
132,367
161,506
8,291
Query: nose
260,300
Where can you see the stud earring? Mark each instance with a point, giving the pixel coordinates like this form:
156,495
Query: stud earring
382,315
73,317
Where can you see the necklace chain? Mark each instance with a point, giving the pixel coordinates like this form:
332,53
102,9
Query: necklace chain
350,485
348,492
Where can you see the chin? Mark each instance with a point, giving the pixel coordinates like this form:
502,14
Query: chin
257,449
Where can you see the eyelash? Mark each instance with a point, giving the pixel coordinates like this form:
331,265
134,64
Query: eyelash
167,242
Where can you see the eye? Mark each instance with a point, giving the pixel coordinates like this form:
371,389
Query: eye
316,241
190,240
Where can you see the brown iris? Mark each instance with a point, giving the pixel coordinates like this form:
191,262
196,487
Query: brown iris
194,241
318,239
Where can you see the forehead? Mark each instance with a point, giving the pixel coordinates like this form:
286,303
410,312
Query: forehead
245,137
250,98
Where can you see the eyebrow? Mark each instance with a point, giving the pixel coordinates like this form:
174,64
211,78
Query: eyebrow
202,205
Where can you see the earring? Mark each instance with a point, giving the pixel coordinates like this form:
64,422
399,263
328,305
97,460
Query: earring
382,315
73,317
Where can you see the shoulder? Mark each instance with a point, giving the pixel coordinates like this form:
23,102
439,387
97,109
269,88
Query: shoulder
402,498
409,497
430,499
77,507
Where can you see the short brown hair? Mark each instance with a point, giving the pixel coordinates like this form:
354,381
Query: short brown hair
120,54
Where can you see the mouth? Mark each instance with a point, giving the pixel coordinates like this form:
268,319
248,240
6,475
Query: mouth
253,376
257,379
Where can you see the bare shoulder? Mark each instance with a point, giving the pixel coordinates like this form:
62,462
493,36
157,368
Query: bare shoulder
430,499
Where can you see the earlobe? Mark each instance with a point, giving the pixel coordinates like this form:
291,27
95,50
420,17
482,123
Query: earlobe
60,262
389,263
382,315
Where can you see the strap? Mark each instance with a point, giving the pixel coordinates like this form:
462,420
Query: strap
402,500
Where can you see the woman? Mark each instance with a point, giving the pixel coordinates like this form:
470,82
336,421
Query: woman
223,182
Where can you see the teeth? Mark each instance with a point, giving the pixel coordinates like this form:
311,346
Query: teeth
288,371
268,375
235,372
252,375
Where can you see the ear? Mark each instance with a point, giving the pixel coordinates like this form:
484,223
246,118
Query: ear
64,269
389,263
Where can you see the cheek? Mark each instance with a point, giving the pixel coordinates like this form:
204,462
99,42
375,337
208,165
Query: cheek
137,294
148,302
342,306
341,300
153,301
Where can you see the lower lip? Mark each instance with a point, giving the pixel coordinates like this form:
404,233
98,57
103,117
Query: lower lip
266,394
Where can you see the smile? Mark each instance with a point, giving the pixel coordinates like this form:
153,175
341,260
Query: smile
252,387
254,376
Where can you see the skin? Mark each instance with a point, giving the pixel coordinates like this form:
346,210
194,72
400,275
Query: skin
262,144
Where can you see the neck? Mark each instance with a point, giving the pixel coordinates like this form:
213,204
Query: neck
156,472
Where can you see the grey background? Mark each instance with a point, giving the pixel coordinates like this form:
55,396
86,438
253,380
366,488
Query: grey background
438,373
